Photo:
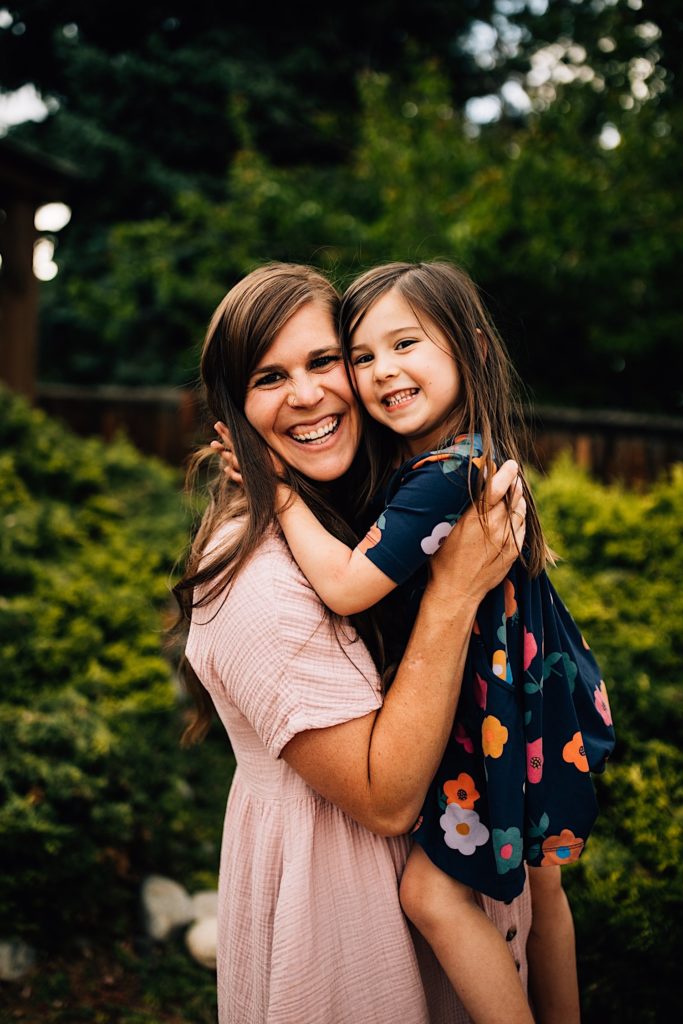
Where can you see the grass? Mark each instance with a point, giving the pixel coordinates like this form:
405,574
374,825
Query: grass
117,985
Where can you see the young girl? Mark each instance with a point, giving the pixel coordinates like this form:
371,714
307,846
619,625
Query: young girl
533,719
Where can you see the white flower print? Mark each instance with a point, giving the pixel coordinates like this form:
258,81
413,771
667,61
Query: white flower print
438,535
464,830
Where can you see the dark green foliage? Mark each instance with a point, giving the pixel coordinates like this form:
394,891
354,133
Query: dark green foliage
94,790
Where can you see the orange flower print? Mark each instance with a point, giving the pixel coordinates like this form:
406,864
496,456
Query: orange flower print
562,849
510,602
500,667
461,791
574,752
372,537
602,703
494,736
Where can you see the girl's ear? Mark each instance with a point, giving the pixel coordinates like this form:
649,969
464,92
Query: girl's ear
484,342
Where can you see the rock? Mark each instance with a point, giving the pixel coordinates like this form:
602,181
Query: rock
201,940
16,959
166,906
204,904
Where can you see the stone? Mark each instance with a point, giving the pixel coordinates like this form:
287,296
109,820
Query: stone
201,941
204,904
166,906
16,959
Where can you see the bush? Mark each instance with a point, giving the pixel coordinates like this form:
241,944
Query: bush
621,579
94,789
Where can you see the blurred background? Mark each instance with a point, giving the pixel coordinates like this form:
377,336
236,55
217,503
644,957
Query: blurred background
152,154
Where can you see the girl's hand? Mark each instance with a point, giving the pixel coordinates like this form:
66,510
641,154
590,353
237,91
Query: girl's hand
471,561
231,466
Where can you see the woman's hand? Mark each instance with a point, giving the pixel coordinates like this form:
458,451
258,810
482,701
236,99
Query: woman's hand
475,557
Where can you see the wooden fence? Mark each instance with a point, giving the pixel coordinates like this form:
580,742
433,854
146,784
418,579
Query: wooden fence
169,422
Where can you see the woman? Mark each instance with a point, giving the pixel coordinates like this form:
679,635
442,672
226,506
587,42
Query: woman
331,773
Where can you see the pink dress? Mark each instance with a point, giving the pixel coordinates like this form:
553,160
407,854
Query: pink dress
310,929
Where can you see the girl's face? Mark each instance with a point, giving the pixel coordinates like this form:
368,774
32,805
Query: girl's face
406,378
299,398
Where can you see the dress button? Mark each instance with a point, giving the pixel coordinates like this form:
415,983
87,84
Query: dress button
511,932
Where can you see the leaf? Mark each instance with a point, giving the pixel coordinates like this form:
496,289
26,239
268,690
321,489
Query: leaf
527,717
531,687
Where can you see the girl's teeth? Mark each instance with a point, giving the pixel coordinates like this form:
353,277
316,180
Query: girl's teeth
317,435
401,396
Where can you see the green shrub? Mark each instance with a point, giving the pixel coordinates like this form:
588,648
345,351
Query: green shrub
94,789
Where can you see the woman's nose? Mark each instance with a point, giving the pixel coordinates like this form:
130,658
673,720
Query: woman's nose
305,392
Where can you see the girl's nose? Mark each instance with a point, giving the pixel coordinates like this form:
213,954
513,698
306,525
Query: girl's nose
384,369
305,392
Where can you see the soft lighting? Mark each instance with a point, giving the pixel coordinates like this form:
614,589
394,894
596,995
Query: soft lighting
52,217
44,267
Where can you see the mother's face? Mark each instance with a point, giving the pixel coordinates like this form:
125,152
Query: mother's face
299,398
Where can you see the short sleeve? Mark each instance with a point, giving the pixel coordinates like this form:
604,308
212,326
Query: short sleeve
432,495
276,653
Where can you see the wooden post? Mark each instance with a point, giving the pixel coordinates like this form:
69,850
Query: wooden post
18,297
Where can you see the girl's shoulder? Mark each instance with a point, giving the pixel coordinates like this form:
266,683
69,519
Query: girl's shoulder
454,457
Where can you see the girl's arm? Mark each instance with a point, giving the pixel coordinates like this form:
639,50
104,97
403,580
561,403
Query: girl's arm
378,768
343,578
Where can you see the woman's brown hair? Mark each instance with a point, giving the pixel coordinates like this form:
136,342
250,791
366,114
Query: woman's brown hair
241,331
444,295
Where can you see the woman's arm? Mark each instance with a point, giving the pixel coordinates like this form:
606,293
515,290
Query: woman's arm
377,768
343,578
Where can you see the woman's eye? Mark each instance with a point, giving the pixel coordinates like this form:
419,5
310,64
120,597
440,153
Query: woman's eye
268,379
361,360
405,343
322,361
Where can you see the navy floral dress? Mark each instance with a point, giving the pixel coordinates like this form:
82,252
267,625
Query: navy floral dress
533,719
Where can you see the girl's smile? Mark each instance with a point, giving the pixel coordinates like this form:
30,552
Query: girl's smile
299,398
406,378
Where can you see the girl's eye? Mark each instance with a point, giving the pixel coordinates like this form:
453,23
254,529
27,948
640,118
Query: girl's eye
362,360
405,343
321,362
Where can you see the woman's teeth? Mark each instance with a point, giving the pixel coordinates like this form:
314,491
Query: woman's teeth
400,396
317,436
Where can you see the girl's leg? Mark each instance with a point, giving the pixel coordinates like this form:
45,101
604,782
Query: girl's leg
467,944
551,950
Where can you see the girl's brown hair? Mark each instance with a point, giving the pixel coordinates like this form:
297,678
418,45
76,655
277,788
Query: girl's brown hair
241,331
488,404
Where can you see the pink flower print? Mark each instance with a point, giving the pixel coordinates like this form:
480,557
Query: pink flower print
530,648
462,738
480,691
534,760
602,703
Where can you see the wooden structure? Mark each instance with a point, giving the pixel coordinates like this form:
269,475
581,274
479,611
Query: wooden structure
169,422
28,179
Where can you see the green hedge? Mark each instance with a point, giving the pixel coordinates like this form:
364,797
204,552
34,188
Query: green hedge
621,577
94,790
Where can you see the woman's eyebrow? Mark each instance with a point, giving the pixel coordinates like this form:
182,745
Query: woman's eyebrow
313,354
